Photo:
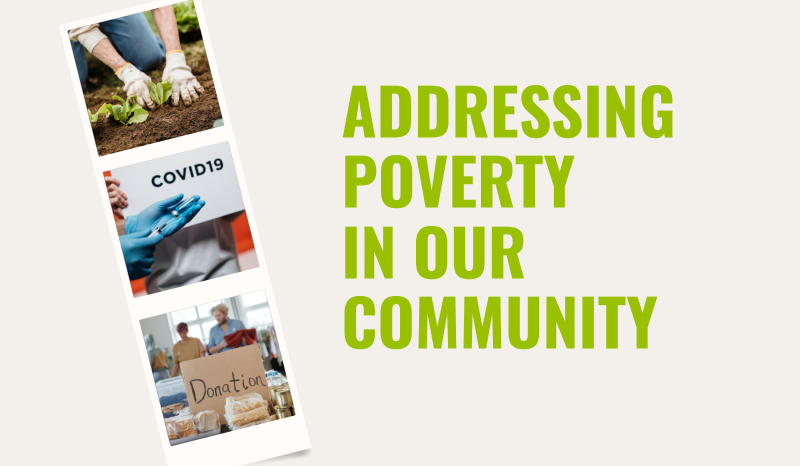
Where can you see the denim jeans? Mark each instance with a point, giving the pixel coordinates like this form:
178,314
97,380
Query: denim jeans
133,38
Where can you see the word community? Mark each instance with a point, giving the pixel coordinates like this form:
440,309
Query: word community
559,318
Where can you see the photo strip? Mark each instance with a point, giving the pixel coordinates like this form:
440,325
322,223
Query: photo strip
187,248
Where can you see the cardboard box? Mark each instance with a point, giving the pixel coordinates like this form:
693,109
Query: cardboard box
212,379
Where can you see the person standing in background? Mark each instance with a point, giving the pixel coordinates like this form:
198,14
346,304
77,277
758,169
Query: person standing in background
186,349
158,358
225,326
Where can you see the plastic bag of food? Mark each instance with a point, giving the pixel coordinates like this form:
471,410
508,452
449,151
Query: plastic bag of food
207,420
248,417
245,426
233,399
241,406
186,425
172,434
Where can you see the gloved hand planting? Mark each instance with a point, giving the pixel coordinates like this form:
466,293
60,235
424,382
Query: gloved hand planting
160,213
138,84
184,84
138,249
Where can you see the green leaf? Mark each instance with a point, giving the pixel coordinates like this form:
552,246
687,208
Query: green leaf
154,91
167,87
104,109
118,98
139,115
119,114
92,118
160,92
127,108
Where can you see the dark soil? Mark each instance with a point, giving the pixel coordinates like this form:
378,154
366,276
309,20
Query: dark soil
165,122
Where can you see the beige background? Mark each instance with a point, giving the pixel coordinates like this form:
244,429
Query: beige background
706,221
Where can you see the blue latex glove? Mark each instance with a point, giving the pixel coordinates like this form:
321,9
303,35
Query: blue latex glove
138,251
162,212
176,224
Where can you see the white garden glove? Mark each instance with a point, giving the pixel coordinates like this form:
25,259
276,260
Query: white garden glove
184,84
138,84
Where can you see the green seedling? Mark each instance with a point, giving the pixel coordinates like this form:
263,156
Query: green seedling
93,118
126,113
160,92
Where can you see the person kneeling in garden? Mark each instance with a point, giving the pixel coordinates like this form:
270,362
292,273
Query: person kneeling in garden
129,47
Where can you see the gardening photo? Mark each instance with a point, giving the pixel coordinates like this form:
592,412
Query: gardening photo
180,219
145,77
217,367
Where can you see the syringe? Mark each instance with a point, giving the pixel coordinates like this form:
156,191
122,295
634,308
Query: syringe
185,205
181,210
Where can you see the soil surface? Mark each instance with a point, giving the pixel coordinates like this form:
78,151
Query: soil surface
165,122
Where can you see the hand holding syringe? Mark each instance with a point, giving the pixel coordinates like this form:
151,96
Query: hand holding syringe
166,216
146,229
181,215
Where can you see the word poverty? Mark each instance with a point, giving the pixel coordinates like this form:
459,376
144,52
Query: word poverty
190,171
199,386
494,173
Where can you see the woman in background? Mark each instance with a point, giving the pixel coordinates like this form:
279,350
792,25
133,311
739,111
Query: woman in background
186,349
158,358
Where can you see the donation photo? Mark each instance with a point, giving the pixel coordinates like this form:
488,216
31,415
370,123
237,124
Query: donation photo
217,368
180,219
145,77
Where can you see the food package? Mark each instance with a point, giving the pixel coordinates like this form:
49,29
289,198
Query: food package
247,417
247,404
172,410
284,398
207,420
186,425
274,389
172,434
252,424
232,399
